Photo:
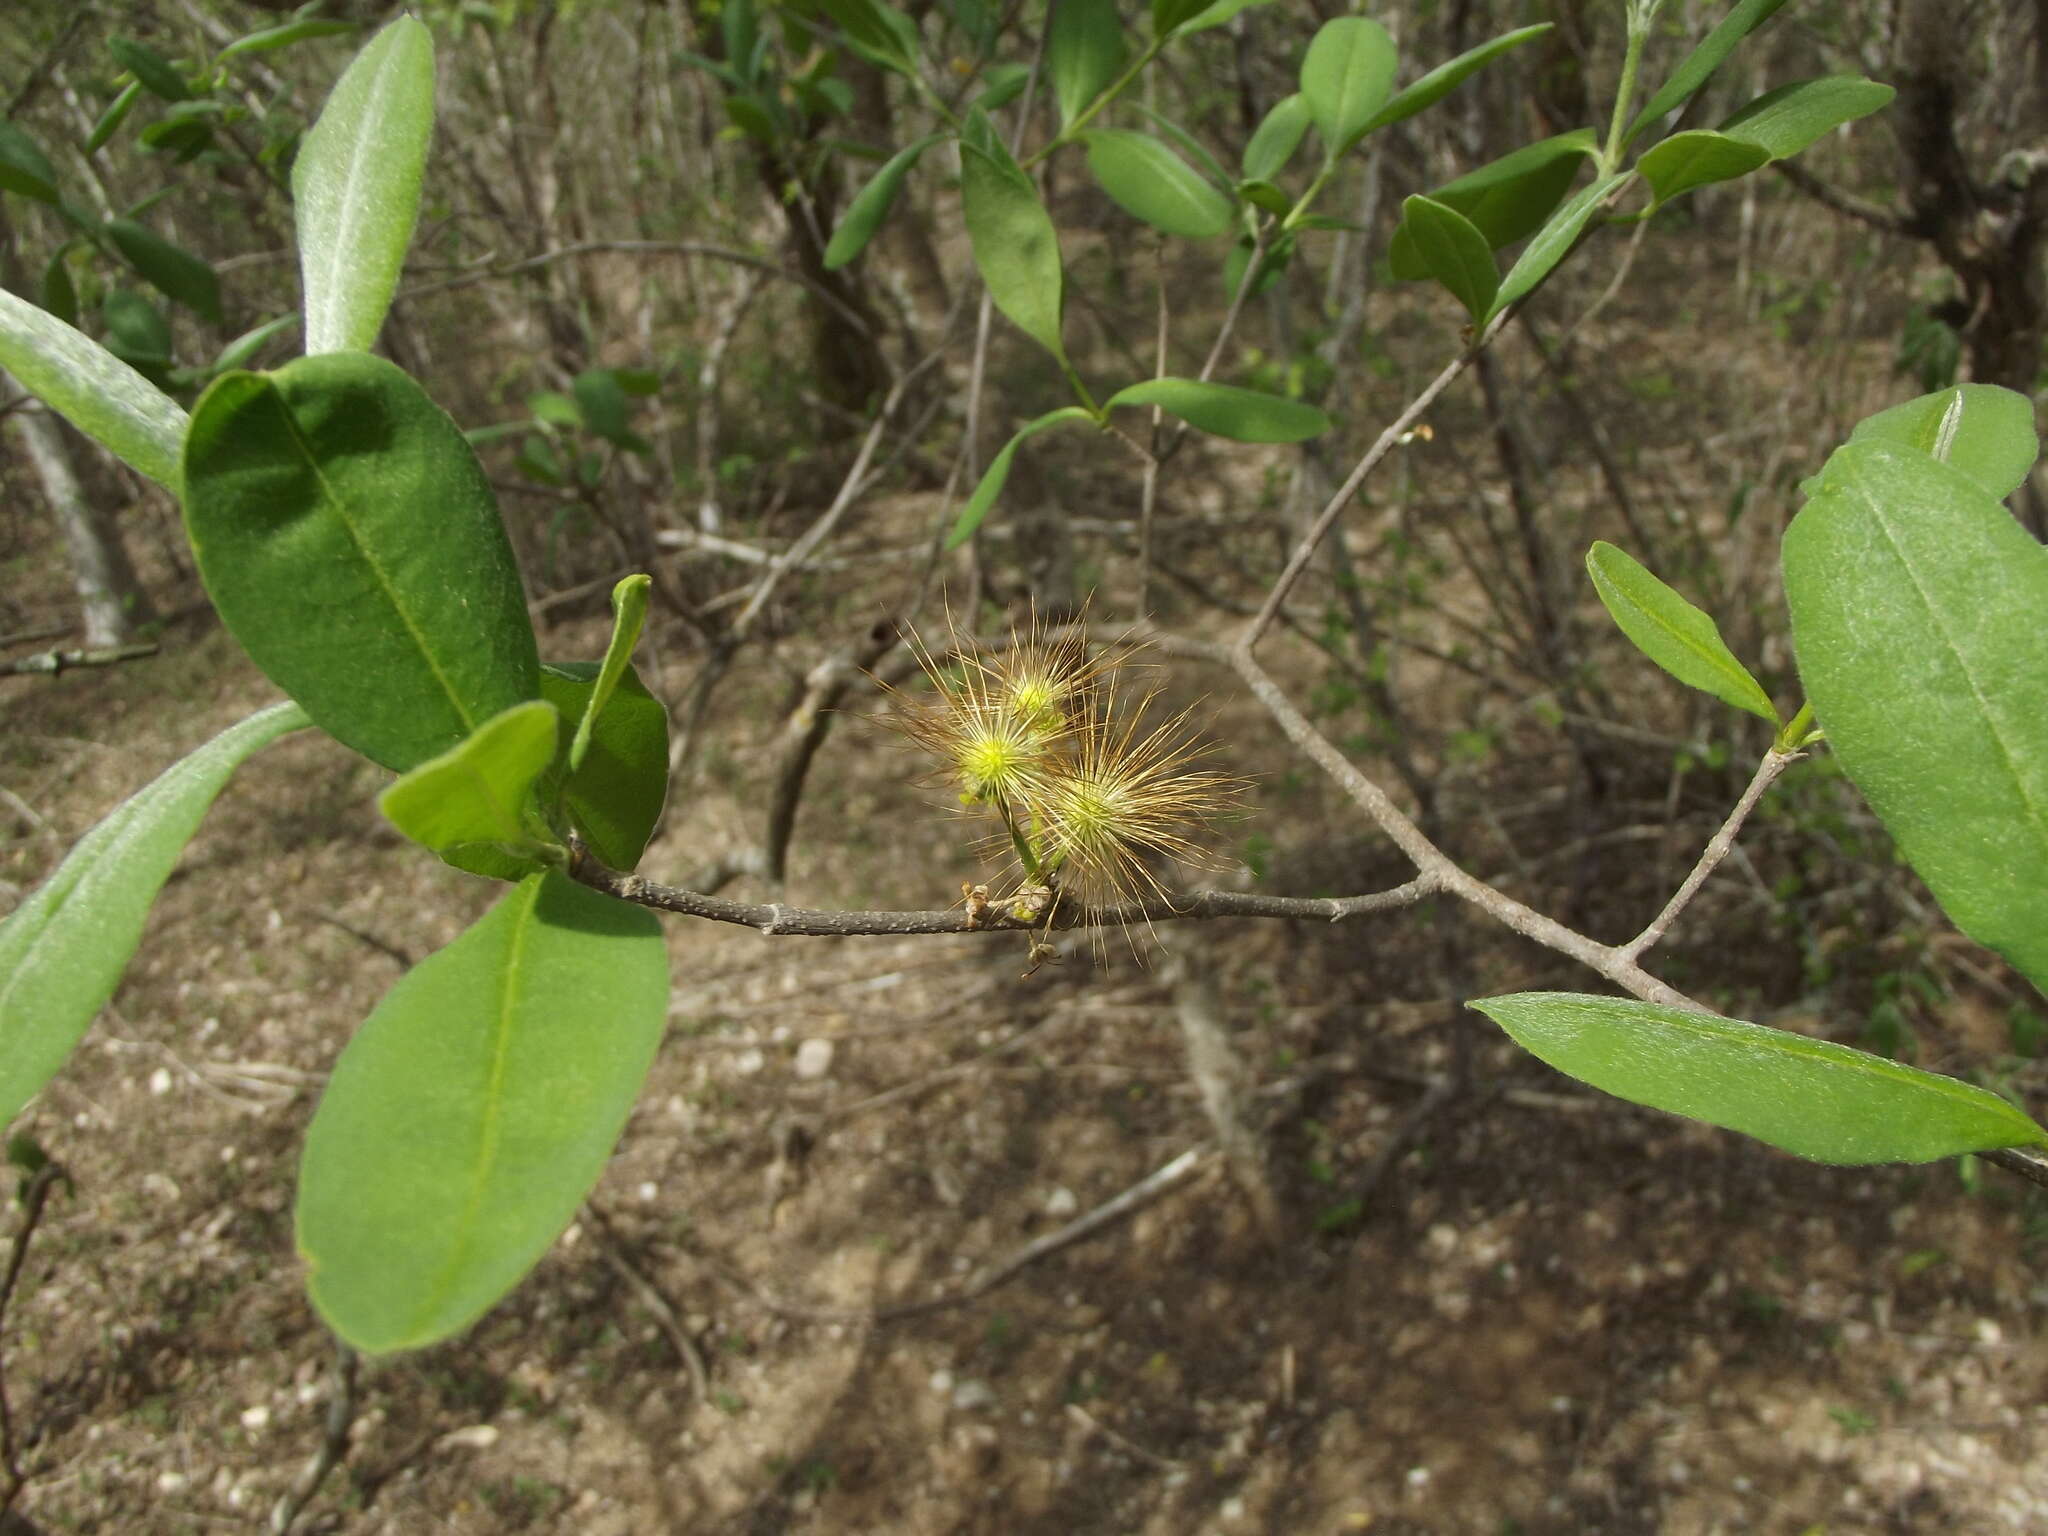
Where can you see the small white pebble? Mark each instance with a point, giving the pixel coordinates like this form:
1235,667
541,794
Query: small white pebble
1418,1477
1062,1202
170,1482
160,1081
813,1059
477,1437
749,1061
942,1382
256,1418
648,1191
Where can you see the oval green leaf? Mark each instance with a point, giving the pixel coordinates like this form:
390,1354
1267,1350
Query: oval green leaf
1242,415
1680,638
24,168
273,38
1981,429
1506,199
1084,52
1786,120
1550,245
1809,1097
998,472
346,533
1701,63
151,69
1196,15
613,797
172,270
62,951
94,390
1447,77
473,1112
1454,251
1345,78
356,187
480,793
1150,182
1016,248
110,121
1916,606
1677,165
1277,137
871,204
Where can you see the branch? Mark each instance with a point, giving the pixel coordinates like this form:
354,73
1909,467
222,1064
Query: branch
50,663
1395,433
1767,771
775,920
1875,215
341,1415
35,1194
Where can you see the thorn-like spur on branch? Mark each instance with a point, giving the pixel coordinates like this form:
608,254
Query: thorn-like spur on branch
775,919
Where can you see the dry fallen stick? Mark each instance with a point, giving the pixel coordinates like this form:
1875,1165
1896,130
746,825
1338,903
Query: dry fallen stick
1139,1195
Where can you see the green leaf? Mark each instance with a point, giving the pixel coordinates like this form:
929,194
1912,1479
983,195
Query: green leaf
1242,415
111,120
872,203
136,332
1168,14
1701,63
1345,78
1677,165
356,185
1264,195
1238,263
998,472
171,270
478,792
1454,251
1015,245
155,73
272,38
1550,245
63,949
236,354
1673,633
1506,199
474,1110
1916,611
60,294
605,407
885,35
629,616
1447,77
1277,137
1983,430
614,798
24,168
1205,15
1084,52
1788,119
1150,182
349,540
94,390
1809,1097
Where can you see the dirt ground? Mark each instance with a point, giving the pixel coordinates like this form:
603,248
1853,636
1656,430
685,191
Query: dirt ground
1507,1305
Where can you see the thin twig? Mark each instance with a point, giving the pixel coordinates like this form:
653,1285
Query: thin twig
35,1195
1767,771
1139,1195
1382,446
50,663
341,1417
650,1295
774,919
1129,1447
